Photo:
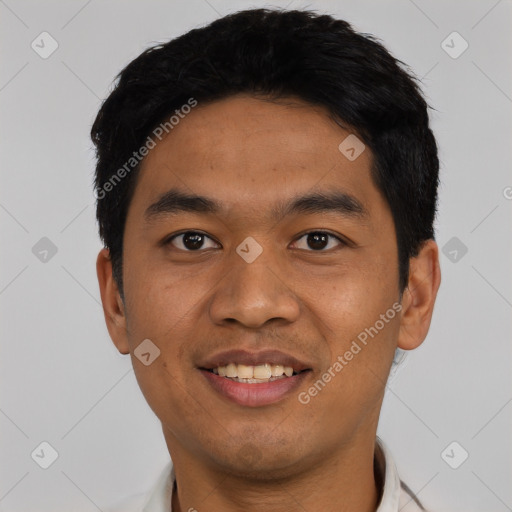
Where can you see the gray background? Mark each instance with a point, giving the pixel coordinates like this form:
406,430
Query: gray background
63,381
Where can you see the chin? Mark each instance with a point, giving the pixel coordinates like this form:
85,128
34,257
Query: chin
262,464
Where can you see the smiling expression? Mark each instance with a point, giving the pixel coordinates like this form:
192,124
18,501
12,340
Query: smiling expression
243,175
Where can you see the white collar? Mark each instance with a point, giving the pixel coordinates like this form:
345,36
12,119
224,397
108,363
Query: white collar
394,497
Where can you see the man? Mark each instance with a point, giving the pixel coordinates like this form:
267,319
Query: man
266,189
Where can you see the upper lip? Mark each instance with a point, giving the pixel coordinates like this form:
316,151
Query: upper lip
249,358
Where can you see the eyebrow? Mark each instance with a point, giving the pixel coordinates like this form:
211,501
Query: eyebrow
176,201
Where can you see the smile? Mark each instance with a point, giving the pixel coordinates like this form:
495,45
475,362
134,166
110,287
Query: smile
253,392
266,372
253,379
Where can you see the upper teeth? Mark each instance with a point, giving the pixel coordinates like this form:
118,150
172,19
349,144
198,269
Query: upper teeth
262,371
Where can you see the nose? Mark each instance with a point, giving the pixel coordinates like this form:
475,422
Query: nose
254,293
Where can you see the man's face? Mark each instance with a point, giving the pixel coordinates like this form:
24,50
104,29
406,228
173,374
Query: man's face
304,298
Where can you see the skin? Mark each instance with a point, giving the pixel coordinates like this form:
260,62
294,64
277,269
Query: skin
249,154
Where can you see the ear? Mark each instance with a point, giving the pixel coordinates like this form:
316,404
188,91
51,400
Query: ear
419,296
113,306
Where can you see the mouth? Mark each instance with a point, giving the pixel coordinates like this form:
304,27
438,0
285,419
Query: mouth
266,372
254,380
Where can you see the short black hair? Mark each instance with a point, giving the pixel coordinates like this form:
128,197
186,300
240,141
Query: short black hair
276,54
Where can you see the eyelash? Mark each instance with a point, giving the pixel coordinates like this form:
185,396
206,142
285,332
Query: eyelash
342,242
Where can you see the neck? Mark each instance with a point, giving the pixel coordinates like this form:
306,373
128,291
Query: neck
344,482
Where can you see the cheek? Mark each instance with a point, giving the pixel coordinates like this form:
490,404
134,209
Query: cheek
359,315
349,388
349,299
162,301
162,308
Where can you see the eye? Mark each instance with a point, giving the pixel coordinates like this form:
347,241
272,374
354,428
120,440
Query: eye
319,241
190,241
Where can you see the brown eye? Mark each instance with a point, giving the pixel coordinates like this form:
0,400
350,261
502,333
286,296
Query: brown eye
319,241
190,241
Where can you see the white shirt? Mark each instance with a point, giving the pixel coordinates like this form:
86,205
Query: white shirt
395,495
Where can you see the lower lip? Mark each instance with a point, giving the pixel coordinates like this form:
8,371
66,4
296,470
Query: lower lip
254,395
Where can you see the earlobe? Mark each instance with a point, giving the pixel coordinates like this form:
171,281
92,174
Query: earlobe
419,296
113,307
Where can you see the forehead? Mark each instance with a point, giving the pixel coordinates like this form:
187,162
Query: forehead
248,152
